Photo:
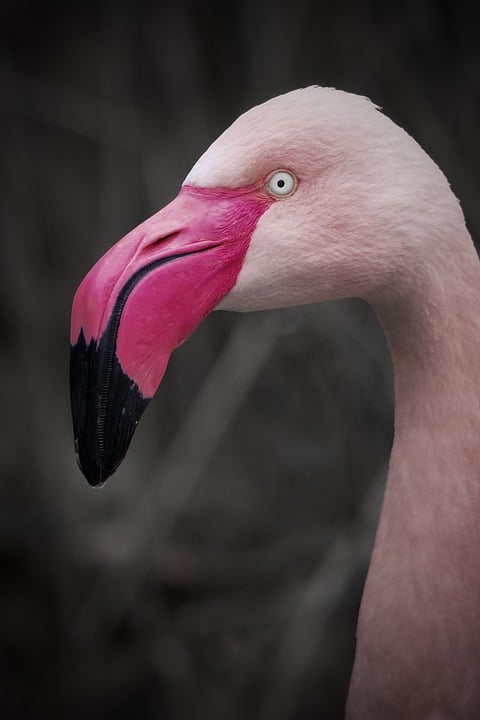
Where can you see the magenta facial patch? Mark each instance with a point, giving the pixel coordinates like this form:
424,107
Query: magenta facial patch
191,253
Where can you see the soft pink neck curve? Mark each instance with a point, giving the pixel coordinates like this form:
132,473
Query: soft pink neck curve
418,639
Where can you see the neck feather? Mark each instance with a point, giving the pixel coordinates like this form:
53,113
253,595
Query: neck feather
418,651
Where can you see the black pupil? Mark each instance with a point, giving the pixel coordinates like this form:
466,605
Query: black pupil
281,183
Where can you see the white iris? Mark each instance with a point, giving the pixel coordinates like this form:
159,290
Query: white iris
281,183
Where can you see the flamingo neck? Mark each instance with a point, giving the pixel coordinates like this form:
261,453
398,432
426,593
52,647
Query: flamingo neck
418,639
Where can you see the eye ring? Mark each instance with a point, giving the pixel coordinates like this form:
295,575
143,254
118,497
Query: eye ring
282,183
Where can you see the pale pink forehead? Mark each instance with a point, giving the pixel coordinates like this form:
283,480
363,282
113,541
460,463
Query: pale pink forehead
279,133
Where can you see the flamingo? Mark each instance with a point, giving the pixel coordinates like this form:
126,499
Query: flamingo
316,195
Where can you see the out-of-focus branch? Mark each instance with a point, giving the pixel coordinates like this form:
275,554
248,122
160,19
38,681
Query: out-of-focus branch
307,630
69,109
178,473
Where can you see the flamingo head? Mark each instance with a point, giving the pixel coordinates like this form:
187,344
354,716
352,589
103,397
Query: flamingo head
307,197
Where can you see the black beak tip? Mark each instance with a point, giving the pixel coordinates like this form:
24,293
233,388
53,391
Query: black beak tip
95,473
106,407
97,470
94,480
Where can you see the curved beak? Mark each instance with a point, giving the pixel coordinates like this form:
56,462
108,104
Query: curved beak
141,300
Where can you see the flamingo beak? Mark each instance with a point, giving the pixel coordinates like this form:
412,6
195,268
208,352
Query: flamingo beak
142,299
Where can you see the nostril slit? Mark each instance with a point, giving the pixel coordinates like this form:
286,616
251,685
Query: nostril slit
157,242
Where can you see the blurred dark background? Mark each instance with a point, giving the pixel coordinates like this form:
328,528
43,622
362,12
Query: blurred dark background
218,574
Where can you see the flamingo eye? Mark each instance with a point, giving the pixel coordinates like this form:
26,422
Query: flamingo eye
281,183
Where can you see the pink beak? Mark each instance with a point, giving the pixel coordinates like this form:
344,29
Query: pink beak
143,298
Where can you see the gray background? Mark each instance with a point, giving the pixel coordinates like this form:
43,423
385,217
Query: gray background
218,574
